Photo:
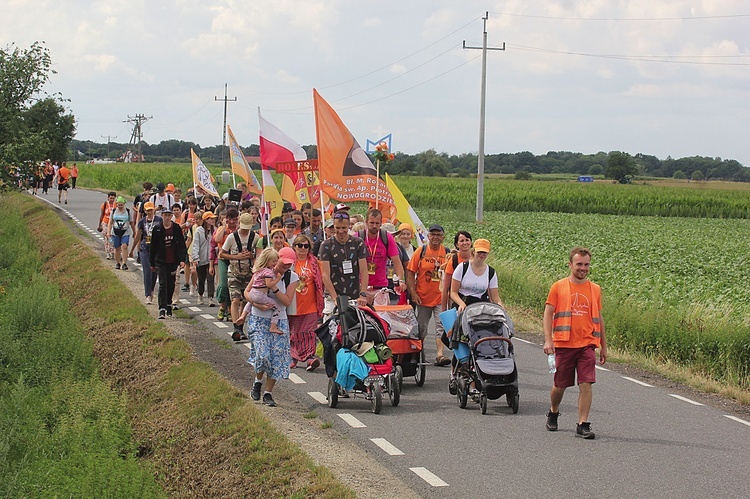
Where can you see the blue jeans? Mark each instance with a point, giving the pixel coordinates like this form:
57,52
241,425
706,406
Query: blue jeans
149,278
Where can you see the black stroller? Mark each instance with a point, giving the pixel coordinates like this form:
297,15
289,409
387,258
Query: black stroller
490,365
349,329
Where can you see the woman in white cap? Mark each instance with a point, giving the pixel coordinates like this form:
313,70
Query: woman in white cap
120,229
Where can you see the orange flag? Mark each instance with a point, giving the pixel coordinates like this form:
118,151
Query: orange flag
345,169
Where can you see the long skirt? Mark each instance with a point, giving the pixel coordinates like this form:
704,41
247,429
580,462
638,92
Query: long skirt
303,338
269,352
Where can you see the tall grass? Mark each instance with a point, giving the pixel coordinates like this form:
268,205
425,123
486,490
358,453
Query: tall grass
63,432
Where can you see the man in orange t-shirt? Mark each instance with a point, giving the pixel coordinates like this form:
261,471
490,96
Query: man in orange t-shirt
573,330
423,283
63,174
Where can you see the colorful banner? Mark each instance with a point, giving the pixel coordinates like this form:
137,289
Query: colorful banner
405,213
271,198
345,169
297,187
202,178
240,166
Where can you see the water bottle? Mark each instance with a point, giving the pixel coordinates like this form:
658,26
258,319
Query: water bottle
551,363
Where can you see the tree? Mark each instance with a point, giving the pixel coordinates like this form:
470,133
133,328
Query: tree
32,128
596,169
678,175
697,175
432,164
620,167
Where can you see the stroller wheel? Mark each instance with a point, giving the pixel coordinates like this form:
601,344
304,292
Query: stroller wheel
333,393
394,390
463,393
483,403
399,377
377,398
515,403
421,370
509,399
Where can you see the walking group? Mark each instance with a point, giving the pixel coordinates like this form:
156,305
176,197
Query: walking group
49,175
277,287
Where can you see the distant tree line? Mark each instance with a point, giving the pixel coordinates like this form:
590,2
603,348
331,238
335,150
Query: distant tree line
619,166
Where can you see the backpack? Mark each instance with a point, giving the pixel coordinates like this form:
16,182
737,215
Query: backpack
235,265
383,237
362,325
473,299
423,248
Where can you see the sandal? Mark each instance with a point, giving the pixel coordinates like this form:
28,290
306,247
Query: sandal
442,361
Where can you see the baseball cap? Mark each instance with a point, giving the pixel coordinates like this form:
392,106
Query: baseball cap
328,223
225,195
340,207
120,199
170,188
482,245
404,226
160,186
246,221
208,214
287,256
289,222
148,205
437,227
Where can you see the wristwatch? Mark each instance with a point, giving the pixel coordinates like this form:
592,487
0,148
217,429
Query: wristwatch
363,294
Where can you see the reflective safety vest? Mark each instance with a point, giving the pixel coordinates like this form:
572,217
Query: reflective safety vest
562,318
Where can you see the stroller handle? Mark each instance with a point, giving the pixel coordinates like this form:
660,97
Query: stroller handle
488,338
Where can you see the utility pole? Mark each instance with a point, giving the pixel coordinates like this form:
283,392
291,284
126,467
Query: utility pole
224,139
108,137
134,145
480,163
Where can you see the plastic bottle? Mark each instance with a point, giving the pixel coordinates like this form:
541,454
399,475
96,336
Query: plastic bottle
551,363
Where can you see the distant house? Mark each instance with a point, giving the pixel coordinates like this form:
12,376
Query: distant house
585,178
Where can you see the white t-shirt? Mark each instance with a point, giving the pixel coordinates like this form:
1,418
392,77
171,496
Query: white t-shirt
472,284
282,290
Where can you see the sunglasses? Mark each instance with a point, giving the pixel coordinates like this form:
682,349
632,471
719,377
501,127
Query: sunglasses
301,245
341,216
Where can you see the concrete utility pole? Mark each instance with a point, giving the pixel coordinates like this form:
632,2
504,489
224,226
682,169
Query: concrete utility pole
108,137
480,163
224,139
134,146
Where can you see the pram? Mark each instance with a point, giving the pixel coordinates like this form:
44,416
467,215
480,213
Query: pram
353,329
404,342
490,364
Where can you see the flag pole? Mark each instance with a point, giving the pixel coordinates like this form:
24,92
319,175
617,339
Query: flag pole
377,185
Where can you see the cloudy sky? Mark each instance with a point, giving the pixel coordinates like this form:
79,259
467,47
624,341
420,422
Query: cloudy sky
668,78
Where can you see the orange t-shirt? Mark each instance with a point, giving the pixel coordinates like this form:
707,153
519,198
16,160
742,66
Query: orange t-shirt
64,174
427,273
305,289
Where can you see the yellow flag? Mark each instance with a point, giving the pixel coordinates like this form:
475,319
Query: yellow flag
404,211
240,166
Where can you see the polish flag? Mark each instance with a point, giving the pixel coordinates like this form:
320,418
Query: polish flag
277,147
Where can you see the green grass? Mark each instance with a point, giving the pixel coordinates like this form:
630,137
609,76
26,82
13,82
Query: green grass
63,431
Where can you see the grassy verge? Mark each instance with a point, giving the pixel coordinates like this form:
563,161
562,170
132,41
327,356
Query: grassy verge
202,436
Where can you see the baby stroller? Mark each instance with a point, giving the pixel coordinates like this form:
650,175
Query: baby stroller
490,364
347,334
404,342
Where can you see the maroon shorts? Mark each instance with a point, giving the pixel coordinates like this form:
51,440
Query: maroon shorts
570,361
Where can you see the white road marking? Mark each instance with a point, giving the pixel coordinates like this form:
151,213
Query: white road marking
601,368
352,421
194,309
522,340
685,399
638,382
735,418
247,345
296,379
221,325
207,316
387,447
184,301
429,477
318,397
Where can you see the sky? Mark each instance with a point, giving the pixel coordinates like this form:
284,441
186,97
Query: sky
665,78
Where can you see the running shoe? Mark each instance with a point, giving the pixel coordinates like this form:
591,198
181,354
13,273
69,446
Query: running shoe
117,266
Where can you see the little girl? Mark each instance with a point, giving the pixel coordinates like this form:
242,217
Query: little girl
264,278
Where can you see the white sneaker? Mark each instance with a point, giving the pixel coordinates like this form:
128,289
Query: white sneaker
148,300
192,291
200,300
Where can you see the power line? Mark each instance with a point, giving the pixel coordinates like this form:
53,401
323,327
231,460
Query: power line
624,19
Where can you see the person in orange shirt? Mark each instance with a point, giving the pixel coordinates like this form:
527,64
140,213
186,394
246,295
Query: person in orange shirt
74,175
63,175
303,318
573,330
423,283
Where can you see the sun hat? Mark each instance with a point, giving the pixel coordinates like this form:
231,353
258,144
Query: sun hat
209,214
287,256
482,245
148,205
246,221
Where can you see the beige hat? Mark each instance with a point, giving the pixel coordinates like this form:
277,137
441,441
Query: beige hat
246,221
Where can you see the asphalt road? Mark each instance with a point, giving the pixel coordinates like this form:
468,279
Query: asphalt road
651,441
